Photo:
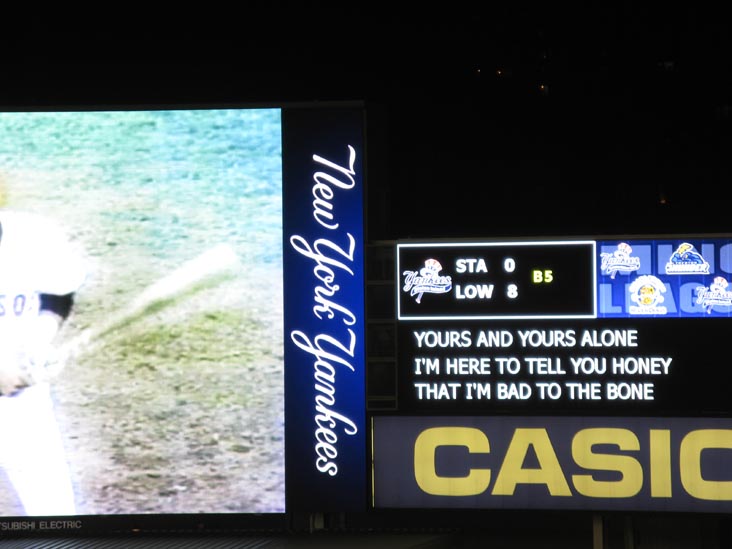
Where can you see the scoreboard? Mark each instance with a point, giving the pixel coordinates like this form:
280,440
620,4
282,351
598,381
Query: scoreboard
499,280
573,374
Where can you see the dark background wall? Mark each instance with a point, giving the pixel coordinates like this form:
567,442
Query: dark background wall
528,119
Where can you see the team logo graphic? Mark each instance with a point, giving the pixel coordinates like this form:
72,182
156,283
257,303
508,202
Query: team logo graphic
646,292
686,260
619,261
427,280
716,294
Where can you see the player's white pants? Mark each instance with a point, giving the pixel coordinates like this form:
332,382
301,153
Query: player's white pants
32,453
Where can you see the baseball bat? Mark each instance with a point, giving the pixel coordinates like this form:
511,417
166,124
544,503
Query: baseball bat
213,262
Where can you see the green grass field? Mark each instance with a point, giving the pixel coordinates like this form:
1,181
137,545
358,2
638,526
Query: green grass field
180,408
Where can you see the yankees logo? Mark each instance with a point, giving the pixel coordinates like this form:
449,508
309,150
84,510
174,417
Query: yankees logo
427,280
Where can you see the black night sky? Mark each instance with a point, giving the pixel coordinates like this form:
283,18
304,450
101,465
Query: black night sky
515,121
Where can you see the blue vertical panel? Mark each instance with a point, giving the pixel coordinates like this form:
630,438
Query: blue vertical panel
324,309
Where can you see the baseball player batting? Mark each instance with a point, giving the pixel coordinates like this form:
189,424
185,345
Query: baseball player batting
39,275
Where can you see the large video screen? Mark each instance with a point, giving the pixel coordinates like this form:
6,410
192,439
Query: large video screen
142,319
560,374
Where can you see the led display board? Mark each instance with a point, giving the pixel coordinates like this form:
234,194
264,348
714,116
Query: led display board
210,369
561,279
594,364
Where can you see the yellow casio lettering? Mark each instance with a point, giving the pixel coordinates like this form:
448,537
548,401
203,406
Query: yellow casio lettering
549,471
691,476
630,470
583,447
428,441
660,451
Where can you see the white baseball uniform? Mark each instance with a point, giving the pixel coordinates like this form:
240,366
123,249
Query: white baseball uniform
35,259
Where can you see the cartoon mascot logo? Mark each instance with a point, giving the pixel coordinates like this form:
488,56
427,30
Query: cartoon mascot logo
646,292
686,260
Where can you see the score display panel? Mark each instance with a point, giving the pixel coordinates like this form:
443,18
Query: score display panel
561,374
